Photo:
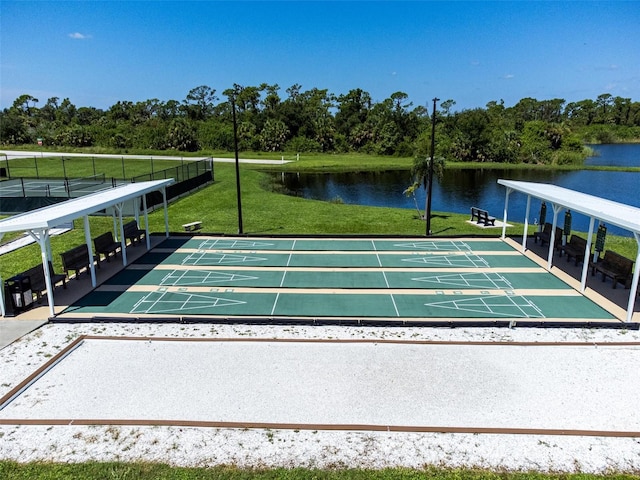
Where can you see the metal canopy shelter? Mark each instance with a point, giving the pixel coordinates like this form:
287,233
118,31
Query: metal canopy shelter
614,213
39,222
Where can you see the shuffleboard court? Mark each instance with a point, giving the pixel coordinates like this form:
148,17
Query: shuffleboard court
455,245
289,278
384,280
334,259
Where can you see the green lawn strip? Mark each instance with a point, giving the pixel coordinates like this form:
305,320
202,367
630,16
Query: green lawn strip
10,470
78,167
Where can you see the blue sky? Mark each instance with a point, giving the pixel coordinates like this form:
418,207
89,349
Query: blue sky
97,53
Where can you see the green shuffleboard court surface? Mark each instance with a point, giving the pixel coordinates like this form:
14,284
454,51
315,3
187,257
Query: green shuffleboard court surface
204,258
455,245
278,278
338,279
230,303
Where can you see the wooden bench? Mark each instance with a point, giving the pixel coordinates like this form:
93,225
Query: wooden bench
38,283
75,260
106,245
482,216
545,236
575,248
132,232
190,227
614,266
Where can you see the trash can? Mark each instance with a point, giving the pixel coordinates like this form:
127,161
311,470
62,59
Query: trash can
19,294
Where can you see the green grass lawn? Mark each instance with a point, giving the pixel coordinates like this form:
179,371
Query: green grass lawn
264,212
267,212
151,471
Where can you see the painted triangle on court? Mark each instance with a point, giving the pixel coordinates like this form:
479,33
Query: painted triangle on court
470,280
164,302
449,260
219,258
493,305
198,277
442,246
233,244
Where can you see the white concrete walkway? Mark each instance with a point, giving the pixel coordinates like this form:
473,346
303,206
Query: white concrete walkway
14,154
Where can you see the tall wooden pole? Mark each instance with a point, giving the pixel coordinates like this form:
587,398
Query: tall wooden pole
433,147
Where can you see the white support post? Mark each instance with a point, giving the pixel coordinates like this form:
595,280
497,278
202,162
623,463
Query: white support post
504,215
116,231
526,224
123,240
587,254
166,211
552,240
87,239
136,211
42,238
146,222
634,281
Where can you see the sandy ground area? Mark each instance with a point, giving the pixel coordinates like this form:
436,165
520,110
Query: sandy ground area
263,447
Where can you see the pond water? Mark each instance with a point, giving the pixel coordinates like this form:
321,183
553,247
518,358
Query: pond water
459,190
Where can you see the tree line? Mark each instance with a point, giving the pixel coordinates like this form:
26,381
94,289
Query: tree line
315,120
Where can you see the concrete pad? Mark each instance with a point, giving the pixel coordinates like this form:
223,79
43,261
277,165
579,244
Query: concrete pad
11,330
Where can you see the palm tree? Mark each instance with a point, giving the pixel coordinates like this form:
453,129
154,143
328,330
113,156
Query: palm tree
420,175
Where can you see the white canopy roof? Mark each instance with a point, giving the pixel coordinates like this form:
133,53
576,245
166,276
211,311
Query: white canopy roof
63,212
614,213
39,222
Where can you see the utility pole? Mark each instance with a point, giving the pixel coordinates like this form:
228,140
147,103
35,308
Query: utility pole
433,147
235,143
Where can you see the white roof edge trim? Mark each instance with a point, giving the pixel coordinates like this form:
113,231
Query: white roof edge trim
614,213
54,215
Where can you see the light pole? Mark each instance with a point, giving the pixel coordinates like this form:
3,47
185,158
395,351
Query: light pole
433,147
235,144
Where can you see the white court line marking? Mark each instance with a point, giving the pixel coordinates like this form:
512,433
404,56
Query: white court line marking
476,280
384,274
483,305
395,307
202,277
275,303
199,258
464,260
449,245
187,302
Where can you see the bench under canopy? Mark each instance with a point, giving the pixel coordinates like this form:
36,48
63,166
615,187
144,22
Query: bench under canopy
39,222
621,215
